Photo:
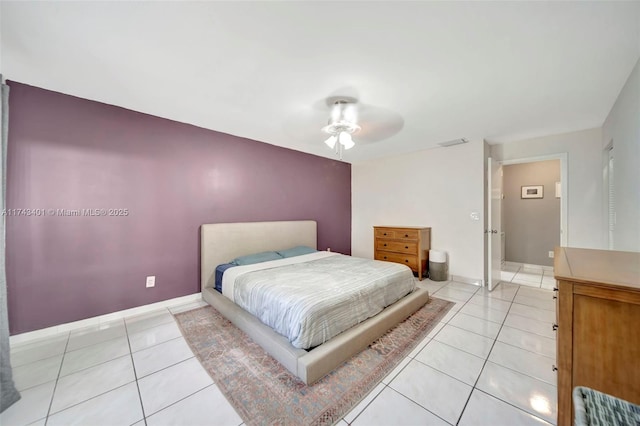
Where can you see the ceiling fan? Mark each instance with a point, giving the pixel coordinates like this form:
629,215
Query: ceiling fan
342,124
348,117
345,122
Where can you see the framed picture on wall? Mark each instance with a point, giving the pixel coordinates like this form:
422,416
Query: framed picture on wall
532,191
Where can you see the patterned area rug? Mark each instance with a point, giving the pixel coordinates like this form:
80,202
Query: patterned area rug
263,392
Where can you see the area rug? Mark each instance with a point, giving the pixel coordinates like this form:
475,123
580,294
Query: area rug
263,392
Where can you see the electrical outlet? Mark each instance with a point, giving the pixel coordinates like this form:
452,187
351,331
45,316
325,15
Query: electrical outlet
151,281
551,254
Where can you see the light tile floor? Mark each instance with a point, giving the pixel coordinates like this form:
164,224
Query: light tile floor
488,362
529,275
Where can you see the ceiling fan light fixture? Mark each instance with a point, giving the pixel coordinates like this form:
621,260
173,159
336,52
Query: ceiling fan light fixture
341,125
346,140
331,141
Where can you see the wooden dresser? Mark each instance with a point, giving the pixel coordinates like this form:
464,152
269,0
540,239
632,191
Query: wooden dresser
598,311
408,245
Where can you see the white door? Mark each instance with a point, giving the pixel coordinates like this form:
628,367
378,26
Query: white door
494,226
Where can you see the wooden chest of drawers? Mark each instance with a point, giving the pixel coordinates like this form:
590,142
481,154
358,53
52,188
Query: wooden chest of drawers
408,245
598,309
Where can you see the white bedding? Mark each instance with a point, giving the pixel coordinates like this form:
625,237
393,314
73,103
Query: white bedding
311,298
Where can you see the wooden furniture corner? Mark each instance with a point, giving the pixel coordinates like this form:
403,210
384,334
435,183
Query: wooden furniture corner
598,313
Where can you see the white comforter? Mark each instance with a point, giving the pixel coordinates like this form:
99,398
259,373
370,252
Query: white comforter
311,298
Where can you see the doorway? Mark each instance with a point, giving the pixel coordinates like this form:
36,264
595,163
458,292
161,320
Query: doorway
526,219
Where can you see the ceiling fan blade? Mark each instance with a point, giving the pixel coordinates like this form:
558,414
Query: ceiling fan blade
306,123
377,124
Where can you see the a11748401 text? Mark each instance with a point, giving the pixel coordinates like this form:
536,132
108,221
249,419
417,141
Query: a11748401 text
51,212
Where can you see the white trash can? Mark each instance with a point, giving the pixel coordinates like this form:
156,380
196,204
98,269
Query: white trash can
438,267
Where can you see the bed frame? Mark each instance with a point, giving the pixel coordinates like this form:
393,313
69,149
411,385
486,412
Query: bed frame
222,242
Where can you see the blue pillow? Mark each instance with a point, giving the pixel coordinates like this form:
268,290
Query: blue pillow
220,269
250,259
296,251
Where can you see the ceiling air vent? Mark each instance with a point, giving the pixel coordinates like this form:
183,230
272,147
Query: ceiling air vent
454,142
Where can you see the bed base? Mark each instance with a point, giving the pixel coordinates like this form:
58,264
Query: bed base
311,366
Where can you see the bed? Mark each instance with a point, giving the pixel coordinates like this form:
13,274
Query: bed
225,241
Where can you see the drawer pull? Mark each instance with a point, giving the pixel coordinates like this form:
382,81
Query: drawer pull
406,247
406,235
554,368
555,297
554,327
406,260
555,289
385,257
385,234
385,244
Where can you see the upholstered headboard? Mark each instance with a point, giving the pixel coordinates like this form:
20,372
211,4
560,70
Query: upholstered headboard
223,242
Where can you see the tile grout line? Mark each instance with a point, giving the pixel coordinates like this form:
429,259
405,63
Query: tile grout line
370,402
162,369
417,403
154,345
66,337
168,366
93,344
387,385
526,350
89,399
92,366
431,339
144,414
514,406
493,396
135,373
125,384
413,359
53,394
182,399
474,387
434,336
95,396
486,359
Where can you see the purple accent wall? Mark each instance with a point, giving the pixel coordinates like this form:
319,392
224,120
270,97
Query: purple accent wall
71,153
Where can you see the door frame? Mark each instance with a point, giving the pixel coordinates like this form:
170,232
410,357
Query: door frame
493,268
564,174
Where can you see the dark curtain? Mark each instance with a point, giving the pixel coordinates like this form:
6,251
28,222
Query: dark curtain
9,393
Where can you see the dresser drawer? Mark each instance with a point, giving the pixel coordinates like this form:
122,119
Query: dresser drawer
409,260
397,246
408,234
398,234
385,233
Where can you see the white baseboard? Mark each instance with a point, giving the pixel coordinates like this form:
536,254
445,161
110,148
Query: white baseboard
531,266
474,281
67,327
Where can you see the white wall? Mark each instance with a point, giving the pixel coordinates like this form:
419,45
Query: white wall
438,188
584,186
623,127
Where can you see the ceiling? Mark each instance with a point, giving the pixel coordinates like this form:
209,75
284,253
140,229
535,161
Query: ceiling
501,71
